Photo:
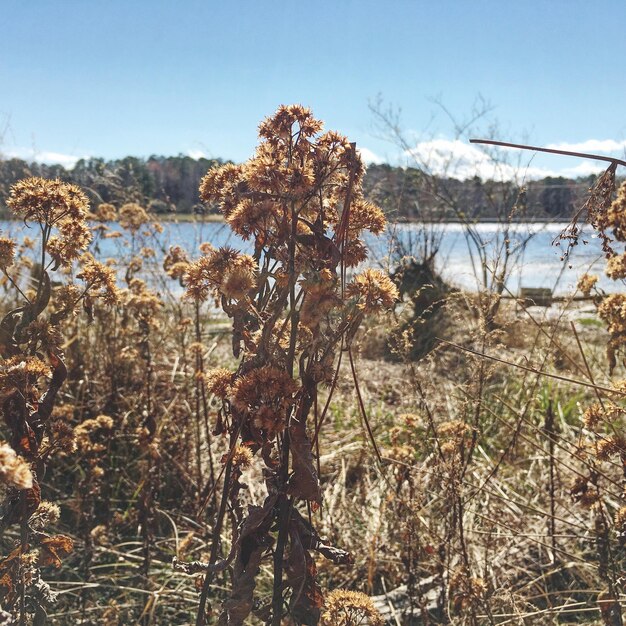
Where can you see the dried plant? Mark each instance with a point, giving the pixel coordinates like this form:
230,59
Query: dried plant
299,201
32,371
605,445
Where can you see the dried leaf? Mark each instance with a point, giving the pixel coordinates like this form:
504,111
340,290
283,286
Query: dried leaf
53,549
33,498
41,617
27,445
32,311
257,515
253,541
13,505
312,541
239,604
59,374
306,599
336,555
304,482
9,577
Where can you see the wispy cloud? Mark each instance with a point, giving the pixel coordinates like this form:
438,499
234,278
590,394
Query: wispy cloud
604,146
43,156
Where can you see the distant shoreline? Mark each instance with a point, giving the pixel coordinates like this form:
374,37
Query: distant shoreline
486,220
219,219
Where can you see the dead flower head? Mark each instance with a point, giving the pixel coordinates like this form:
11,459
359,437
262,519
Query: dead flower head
47,201
265,393
219,382
132,217
373,291
586,283
349,608
223,271
105,212
14,470
7,252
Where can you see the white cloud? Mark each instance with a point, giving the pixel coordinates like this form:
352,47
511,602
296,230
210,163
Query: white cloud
369,157
458,159
197,154
585,168
43,156
604,146
462,160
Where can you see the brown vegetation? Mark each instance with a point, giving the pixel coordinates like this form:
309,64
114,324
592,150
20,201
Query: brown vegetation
225,440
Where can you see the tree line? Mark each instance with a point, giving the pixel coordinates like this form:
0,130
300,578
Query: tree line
168,185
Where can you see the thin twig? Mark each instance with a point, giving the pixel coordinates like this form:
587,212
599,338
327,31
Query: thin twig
582,155
573,381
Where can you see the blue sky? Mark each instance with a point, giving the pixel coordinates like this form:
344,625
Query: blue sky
111,78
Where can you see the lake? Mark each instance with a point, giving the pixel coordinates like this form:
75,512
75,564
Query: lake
537,262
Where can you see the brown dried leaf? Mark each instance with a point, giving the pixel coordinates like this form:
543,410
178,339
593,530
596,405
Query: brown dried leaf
312,541
253,541
239,604
53,549
27,445
59,374
9,577
306,599
304,482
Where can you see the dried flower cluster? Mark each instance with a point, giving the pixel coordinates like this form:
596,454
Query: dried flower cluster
223,272
349,608
586,283
105,212
176,263
14,471
54,205
614,218
609,216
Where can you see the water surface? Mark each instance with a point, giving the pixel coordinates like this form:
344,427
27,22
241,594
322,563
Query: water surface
535,260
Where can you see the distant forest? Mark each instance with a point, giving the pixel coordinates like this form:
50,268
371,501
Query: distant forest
169,185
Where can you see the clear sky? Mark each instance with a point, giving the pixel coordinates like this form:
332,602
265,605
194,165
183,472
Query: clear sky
116,77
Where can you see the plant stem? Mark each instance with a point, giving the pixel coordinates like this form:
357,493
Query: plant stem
217,529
